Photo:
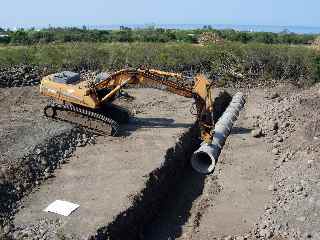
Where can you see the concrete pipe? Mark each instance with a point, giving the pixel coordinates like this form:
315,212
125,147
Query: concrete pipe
205,158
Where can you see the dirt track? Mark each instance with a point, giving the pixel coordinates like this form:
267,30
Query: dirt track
265,186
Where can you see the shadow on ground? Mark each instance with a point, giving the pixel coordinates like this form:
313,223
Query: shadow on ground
139,123
176,211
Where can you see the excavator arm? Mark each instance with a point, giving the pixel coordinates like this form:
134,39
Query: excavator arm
145,77
175,83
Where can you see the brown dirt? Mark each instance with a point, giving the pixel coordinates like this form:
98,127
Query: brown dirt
114,170
263,188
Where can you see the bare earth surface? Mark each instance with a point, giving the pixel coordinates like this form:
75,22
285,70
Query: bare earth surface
266,184
102,177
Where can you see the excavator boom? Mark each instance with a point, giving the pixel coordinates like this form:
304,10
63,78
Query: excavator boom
147,77
175,83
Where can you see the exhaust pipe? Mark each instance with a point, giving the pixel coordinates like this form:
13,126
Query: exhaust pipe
205,158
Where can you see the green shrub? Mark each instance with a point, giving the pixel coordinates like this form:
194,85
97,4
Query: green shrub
230,61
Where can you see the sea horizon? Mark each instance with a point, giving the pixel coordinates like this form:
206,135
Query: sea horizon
237,27
247,28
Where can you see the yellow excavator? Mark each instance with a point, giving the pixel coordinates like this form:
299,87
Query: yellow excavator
92,101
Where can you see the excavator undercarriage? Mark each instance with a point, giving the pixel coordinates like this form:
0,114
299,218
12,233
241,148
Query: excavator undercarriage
96,121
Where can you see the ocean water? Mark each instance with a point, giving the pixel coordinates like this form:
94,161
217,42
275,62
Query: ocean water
250,28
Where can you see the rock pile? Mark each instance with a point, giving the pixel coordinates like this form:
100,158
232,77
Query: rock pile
18,76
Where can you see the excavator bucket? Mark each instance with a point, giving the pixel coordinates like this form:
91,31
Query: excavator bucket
201,87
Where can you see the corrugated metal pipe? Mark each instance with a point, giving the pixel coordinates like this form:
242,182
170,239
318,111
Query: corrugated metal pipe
205,158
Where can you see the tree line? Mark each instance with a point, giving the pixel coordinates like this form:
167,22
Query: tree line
151,34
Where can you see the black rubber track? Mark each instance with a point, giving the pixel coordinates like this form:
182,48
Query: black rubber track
85,113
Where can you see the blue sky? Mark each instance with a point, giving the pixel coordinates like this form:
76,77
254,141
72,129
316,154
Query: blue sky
27,13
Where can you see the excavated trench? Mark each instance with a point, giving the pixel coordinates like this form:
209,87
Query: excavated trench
146,205
168,194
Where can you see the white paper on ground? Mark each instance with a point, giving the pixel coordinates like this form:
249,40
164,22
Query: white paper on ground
62,207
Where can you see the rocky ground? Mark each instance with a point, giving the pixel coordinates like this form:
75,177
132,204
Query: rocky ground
17,76
266,185
30,75
290,123
287,121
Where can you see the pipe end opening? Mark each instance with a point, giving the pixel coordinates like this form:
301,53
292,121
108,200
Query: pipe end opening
203,163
